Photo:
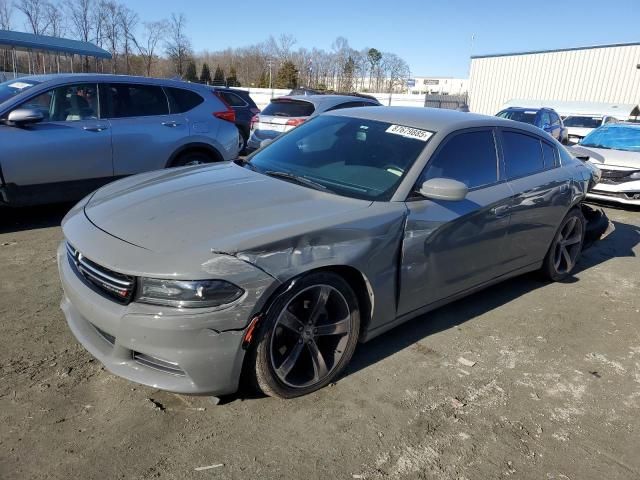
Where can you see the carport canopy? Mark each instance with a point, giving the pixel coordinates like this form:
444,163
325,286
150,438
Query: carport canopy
43,43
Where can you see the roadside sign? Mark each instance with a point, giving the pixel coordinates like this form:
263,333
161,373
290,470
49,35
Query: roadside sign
411,82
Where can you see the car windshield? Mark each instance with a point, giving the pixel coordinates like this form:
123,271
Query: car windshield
14,87
357,158
583,122
519,116
617,137
289,108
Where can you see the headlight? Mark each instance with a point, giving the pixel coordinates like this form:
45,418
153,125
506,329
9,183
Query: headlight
186,293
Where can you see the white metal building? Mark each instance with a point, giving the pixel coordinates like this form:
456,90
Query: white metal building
603,73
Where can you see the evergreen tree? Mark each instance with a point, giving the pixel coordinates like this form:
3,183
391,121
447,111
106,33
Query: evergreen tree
287,76
205,74
232,79
218,77
190,74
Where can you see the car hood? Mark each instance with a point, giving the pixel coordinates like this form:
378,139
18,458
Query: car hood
603,157
223,208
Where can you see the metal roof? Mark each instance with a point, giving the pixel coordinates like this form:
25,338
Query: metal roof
28,41
571,49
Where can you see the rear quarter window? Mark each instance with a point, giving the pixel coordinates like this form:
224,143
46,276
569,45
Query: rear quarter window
182,100
233,99
289,109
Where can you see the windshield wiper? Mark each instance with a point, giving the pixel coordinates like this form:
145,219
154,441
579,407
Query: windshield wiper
295,178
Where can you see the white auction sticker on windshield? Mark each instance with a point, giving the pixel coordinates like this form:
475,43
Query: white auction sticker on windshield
410,132
20,85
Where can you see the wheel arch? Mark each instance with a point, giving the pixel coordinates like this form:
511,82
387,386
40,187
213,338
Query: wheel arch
354,277
200,147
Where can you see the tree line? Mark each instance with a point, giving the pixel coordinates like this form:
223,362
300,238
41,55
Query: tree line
163,48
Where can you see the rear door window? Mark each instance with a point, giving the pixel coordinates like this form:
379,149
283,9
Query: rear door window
290,108
182,100
135,100
468,157
522,154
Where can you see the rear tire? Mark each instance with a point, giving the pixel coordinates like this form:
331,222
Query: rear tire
307,337
566,247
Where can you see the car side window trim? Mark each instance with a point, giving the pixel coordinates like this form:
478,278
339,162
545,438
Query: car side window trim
499,174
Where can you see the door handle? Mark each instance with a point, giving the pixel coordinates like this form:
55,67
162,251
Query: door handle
95,128
171,124
500,211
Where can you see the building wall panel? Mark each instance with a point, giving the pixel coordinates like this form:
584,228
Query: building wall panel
603,74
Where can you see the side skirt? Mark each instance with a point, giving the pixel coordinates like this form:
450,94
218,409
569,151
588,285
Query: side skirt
432,306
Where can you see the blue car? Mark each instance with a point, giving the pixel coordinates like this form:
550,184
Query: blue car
546,119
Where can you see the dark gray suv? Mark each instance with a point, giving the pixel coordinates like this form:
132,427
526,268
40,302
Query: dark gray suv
65,135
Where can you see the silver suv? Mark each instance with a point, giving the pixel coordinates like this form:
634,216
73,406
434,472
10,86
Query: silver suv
65,135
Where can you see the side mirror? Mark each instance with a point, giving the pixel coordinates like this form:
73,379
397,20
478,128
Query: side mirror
25,116
444,189
265,142
546,127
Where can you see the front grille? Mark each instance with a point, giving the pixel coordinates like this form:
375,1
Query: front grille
158,364
108,283
614,177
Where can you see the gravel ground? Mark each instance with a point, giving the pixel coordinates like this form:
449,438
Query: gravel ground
526,379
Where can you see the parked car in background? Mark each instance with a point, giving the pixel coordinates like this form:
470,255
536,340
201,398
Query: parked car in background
579,126
244,106
62,136
279,265
615,150
286,113
544,118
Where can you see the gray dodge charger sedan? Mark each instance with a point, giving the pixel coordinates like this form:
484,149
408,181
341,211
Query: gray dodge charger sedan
343,228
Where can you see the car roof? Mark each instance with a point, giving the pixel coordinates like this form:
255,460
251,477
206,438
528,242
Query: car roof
432,119
528,109
322,102
104,77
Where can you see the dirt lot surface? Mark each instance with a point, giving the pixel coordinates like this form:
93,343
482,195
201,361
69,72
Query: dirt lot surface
524,380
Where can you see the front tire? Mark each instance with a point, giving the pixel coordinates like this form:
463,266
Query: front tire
566,248
307,336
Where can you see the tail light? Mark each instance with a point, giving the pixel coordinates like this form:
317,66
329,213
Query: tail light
294,122
254,120
229,114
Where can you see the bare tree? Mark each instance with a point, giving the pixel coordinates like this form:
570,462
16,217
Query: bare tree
112,30
56,20
35,12
81,19
128,20
6,11
395,69
147,46
178,47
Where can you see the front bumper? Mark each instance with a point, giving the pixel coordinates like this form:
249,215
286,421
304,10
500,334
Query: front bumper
168,349
624,193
